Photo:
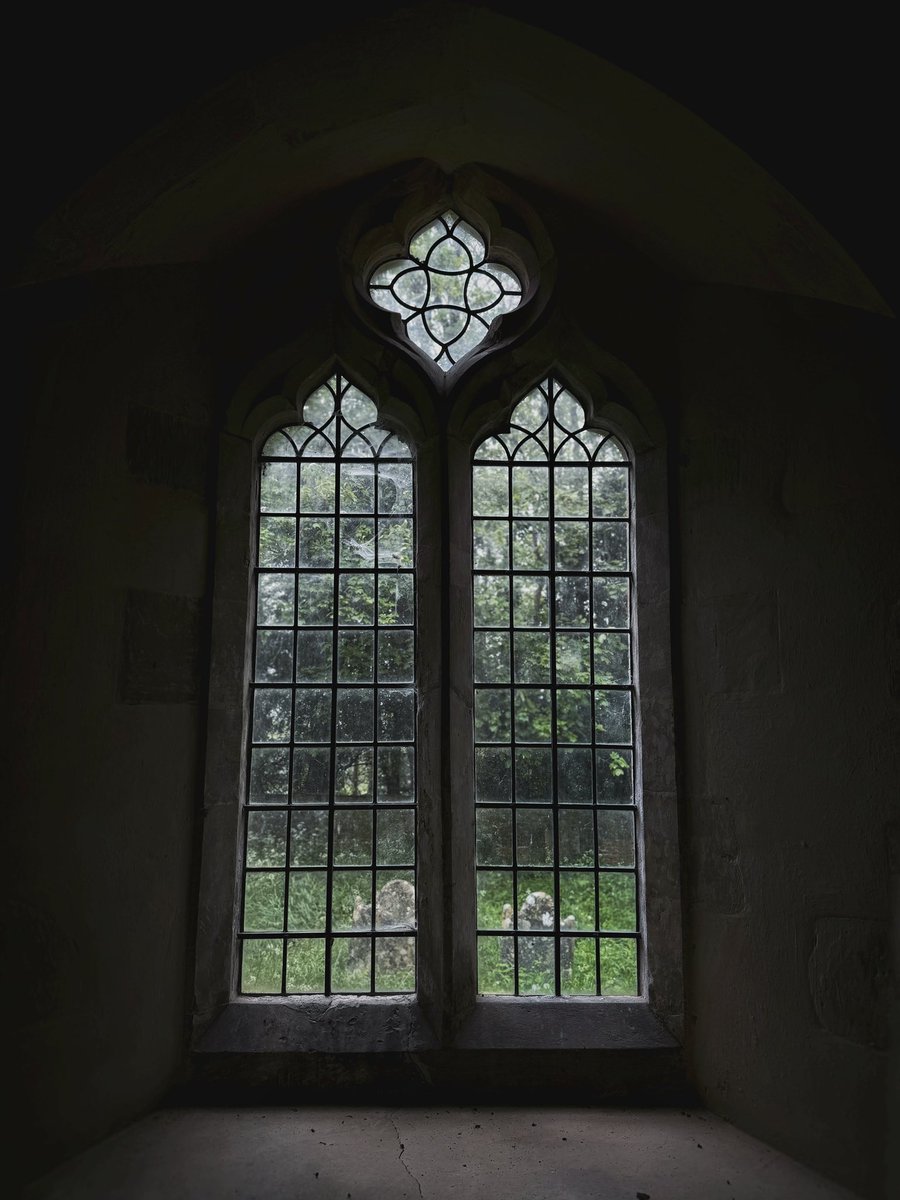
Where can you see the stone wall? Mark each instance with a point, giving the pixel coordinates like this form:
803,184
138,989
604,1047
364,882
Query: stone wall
107,664
783,471
788,493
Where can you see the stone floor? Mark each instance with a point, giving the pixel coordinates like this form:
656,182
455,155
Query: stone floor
429,1154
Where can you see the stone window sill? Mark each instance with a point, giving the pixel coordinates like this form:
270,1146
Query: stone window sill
366,1025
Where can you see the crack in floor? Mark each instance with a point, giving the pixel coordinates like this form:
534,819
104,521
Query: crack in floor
400,1156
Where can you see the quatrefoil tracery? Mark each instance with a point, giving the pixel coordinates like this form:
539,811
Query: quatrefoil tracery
445,293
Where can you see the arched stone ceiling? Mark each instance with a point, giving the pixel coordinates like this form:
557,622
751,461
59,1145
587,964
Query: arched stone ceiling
452,84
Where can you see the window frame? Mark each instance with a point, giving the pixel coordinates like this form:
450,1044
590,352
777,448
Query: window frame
224,1019
442,417
259,812
558,632
446,1013
615,401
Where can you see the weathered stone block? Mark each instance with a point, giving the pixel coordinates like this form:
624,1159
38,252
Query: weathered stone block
163,449
850,978
716,858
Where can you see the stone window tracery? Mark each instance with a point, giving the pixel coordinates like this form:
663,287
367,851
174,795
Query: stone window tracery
522,809
447,293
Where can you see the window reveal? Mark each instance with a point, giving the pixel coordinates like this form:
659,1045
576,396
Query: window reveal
504,639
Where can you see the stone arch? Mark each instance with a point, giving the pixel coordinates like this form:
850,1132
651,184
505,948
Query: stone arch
476,86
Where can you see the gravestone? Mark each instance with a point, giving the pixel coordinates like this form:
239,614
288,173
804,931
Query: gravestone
537,912
395,909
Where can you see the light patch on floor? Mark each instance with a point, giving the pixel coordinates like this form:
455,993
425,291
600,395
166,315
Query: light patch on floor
331,1153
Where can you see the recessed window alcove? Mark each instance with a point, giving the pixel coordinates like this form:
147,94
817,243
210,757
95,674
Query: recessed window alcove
475,743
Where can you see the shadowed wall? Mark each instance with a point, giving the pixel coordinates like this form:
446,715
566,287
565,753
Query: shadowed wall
160,286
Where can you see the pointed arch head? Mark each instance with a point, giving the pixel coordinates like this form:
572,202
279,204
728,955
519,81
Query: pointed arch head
528,104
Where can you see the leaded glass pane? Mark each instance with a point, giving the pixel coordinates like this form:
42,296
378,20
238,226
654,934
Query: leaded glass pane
445,294
331,780
556,861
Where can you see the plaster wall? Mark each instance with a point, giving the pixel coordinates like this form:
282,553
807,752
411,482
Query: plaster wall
788,499
105,662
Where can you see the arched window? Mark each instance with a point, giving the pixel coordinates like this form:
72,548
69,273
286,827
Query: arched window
556,838
447,293
329,851
440,788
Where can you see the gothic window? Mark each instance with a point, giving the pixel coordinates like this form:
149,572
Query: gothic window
554,727
329,869
428,788
447,293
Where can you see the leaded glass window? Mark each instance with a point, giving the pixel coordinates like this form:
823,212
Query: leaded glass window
446,292
556,818
330,856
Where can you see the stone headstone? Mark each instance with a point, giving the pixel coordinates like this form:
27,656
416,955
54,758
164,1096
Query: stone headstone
537,912
395,909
